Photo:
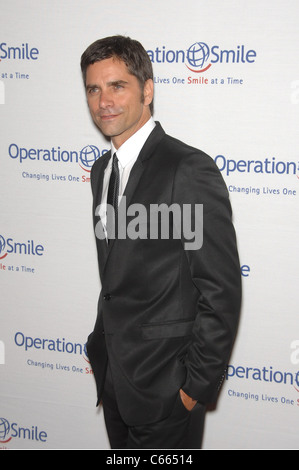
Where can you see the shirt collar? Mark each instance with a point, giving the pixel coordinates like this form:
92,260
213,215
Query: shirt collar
130,149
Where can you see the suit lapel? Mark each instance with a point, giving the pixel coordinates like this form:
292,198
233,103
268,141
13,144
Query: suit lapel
97,188
98,179
139,166
135,176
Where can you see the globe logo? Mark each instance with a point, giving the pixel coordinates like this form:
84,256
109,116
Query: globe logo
2,246
4,429
88,156
197,56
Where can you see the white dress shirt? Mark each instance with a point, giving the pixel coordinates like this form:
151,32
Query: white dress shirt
127,155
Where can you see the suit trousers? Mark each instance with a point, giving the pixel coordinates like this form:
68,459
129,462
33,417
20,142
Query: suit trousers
182,429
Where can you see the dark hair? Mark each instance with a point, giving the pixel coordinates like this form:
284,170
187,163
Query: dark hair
128,50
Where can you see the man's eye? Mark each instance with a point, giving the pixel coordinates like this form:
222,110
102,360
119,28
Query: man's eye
91,91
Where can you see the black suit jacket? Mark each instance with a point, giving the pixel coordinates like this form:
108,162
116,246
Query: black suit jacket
167,317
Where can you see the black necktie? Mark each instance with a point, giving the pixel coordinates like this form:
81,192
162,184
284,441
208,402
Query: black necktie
112,198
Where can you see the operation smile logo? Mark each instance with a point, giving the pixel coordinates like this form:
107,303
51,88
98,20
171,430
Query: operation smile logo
267,167
263,375
28,248
9,245
54,355
20,52
54,347
9,430
11,54
85,158
199,57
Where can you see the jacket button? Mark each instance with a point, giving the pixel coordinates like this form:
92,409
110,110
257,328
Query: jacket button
107,297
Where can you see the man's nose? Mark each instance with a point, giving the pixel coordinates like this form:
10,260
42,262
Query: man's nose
105,99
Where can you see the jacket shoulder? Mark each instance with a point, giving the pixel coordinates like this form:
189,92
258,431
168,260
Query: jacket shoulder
180,152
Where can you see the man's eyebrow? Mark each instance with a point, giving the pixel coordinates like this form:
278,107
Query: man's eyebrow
117,82
112,83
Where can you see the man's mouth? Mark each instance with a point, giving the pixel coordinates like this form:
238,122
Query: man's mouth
108,117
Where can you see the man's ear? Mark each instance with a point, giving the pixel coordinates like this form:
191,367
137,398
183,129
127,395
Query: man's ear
148,92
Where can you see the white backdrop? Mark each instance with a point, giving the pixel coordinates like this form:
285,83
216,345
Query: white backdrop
243,111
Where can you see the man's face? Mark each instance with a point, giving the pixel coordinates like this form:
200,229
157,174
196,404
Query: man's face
116,102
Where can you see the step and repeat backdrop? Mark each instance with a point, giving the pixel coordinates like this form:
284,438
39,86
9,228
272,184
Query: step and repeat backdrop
227,82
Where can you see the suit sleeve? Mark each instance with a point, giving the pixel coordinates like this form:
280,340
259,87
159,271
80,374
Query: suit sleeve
215,271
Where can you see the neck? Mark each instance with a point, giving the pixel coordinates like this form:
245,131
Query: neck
119,140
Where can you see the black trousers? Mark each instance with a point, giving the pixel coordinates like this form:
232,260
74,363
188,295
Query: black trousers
182,429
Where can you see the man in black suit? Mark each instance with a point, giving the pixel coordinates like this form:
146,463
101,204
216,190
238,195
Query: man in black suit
168,309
